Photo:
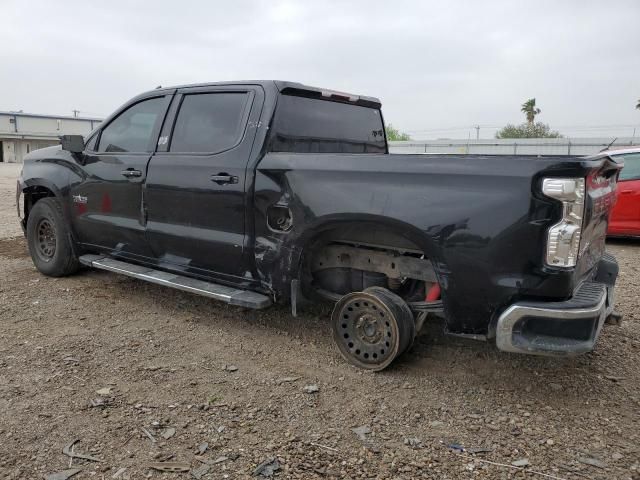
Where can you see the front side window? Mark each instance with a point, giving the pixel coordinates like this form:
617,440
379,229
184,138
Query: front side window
209,122
631,169
90,145
131,131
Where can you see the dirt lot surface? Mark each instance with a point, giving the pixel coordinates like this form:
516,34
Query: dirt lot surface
141,374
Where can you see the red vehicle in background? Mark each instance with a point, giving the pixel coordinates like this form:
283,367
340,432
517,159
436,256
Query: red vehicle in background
625,217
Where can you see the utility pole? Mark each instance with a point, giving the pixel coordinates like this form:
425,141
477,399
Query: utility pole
75,113
477,127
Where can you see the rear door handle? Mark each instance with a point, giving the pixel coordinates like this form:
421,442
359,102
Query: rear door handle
131,173
223,178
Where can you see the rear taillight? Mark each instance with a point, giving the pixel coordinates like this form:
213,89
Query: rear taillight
563,238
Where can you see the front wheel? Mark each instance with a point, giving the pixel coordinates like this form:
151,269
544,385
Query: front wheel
49,239
372,328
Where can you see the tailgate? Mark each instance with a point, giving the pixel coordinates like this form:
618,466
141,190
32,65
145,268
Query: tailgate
600,195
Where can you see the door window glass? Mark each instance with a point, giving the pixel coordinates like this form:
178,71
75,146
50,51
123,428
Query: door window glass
631,169
131,130
209,122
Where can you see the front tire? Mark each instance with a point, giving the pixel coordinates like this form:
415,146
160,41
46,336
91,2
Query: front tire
49,240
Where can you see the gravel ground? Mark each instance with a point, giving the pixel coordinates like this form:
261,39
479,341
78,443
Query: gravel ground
101,358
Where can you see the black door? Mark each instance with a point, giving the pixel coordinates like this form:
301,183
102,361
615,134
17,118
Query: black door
107,198
195,192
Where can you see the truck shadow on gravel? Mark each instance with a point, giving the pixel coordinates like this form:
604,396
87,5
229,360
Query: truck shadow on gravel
433,351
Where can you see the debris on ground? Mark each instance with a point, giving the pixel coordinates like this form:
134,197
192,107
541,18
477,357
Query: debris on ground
64,474
119,472
311,389
148,434
362,432
413,442
476,450
594,462
202,448
200,472
100,402
523,462
168,433
282,380
106,391
175,467
267,468
68,451
230,368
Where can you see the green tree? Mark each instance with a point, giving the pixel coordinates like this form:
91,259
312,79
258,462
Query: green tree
530,111
528,130
393,134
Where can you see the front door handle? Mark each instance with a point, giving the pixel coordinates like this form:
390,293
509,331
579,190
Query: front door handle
223,178
131,173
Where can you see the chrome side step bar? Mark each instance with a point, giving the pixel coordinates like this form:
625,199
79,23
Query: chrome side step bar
230,295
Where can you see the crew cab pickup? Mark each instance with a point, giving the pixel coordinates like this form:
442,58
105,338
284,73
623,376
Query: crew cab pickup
268,191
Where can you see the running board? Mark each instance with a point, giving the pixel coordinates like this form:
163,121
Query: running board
230,295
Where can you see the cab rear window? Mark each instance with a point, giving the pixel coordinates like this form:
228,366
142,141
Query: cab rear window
308,125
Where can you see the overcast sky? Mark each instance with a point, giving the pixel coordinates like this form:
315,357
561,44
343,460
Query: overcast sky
438,67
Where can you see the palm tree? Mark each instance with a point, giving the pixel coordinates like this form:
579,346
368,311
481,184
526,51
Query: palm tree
530,110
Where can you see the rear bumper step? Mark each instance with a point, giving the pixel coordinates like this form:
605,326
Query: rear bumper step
555,328
230,295
563,328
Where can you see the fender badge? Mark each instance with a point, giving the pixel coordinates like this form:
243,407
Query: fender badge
79,199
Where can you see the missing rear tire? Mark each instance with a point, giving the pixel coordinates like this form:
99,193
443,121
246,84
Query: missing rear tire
372,328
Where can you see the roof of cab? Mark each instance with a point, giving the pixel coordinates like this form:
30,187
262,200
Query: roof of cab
292,88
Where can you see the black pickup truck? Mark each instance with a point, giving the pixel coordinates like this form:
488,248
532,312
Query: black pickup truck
268,191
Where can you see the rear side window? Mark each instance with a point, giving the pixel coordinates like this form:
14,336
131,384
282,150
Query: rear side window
209,122
131,131
308,125
631,169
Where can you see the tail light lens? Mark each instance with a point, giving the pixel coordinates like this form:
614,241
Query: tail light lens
563,239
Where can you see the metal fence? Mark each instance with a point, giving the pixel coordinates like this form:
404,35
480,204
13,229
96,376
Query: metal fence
519,146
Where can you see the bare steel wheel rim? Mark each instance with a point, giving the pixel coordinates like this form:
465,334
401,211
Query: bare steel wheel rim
46,240
365,330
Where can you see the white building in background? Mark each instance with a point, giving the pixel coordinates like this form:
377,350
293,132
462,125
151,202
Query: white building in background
21,133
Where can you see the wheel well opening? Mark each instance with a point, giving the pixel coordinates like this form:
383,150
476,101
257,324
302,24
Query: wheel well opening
351,258
32,195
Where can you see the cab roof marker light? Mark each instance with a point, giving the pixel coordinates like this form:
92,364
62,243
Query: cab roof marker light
340,96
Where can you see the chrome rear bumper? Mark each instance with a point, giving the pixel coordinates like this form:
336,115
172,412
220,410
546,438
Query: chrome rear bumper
556,328
562,328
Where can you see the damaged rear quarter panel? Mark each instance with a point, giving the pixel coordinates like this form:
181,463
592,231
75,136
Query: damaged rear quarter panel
474,217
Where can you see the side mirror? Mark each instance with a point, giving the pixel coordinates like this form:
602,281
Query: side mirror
72,143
